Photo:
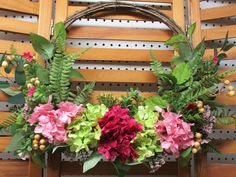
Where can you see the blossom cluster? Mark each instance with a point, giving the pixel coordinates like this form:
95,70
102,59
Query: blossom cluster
118,130
175,134
52,123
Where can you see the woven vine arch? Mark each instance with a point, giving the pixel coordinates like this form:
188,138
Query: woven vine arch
148,11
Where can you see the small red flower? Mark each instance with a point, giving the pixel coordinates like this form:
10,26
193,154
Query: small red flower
28,56
118,130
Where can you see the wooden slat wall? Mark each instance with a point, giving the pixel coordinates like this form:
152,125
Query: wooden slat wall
199,15
43,10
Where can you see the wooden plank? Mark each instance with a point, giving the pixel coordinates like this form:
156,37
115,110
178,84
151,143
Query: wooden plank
61,10
157,1
108,54
195,18
17,26
218,12
54,165
4,142
5,46
34,170
178,13
4,115
221,170
219,32
106,168
116,15
225,99
201,165
24,6
227,147
13,168
119,33
183,171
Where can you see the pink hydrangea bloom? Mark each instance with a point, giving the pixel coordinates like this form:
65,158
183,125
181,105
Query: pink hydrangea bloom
175,134
52,123
28,56
31,91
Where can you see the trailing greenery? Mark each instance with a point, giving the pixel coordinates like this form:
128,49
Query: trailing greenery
10,120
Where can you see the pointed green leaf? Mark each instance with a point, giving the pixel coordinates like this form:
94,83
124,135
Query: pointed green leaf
76,74
42,74
182,73
59,30
10,92
9,68
191,29
17,99
39,159
16,141
121,169
226,40
179,38
20,77
153,101
4,84
42,46
228,47
92,162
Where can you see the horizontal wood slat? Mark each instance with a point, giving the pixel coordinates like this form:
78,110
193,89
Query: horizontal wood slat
221,170
157,1
3,115
116,15
4,141
228,147
119,33
218,12
24,6
106,168
5,46
13,168
123,54
17,26
219,32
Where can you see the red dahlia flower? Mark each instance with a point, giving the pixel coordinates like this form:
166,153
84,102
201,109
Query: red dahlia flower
118,130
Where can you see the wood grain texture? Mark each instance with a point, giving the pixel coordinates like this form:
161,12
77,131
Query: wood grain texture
106,168
4,141
221,170
61,10
227,147
13,168
116,15
24,6
17,26
183,171
195,18
201,165
178,13
54,165
218,12
219,32
119,33
106,54
5,46
34,170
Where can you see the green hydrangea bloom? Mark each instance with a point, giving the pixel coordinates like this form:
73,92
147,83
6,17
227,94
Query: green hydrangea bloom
84,132
147,142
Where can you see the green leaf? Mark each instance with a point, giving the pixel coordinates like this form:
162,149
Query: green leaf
186,153
9,68
20,65
42,46
156,101
228,47
38,159
10,92
59,30
179,38
191,29
59,146
20,77
182,73
17,99
226,40
16,141
121,169
4,84
185,157
92,162
42,74
76,74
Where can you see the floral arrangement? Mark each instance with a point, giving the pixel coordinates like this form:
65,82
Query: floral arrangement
126,130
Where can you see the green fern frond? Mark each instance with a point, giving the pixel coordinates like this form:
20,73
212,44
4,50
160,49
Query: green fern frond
82,95
156,65
9,121
107,99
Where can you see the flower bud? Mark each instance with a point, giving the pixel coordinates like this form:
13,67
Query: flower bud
4,64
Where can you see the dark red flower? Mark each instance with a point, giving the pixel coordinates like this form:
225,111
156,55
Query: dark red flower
191,106
118,130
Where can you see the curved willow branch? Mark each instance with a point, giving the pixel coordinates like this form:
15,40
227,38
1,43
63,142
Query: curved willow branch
148,11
